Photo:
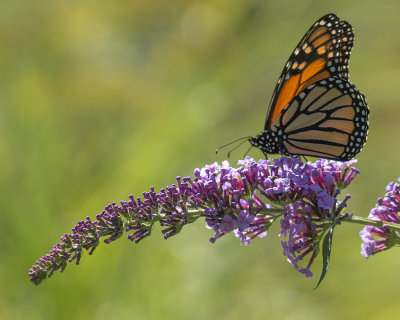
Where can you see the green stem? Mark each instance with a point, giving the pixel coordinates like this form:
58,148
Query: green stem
271,211
375,223
276,212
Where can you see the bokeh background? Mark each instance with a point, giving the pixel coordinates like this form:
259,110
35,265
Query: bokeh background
101,99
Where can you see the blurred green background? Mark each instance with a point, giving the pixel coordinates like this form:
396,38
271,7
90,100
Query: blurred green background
101,99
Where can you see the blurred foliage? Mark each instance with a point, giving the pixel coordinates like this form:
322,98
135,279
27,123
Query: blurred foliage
100,99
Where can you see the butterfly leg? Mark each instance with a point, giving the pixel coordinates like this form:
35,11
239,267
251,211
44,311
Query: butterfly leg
247,151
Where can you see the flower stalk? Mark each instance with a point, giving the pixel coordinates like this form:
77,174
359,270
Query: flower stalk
247,200
375,223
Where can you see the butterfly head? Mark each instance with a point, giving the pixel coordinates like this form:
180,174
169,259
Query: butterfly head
267,141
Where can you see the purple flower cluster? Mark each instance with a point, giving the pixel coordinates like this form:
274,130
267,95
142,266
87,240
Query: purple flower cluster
306,220
379,238
245,200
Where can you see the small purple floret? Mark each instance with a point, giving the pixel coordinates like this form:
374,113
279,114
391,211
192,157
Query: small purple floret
378,239
244,219
228,223
325,201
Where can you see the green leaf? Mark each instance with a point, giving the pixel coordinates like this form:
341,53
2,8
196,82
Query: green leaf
326,254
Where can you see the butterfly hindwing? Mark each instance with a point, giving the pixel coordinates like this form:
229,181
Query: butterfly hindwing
328,119
322,53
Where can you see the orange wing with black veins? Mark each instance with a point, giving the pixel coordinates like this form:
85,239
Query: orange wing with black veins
322,53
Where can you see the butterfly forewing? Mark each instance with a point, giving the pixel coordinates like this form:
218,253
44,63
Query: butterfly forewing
346,45
322,53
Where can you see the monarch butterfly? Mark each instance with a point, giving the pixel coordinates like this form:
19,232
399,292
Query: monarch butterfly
315,110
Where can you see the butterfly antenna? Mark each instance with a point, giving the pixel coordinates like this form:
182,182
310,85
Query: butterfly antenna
230,151
228,144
